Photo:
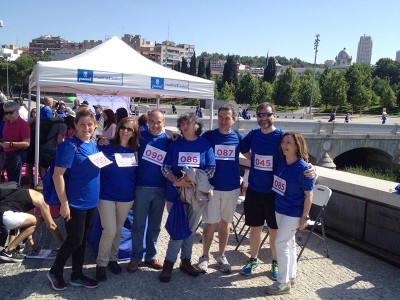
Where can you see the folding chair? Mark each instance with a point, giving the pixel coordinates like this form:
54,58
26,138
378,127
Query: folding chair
321,196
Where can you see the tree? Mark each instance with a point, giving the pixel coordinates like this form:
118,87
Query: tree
226,92
270,70
177,66
230,73
305,89
208,70
247,90
334,89
384,92
265,92
192,68
184,66
386,67
285,88
201,71
359,80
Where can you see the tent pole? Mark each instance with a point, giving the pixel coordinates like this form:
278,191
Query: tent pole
158,101
212,113
37,131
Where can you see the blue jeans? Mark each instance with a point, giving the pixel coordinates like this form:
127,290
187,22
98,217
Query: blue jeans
186,245
13,165
149,204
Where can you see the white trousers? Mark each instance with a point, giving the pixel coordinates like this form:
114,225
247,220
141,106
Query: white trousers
113,216
286,246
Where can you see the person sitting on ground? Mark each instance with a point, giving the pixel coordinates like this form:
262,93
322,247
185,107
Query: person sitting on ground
14,215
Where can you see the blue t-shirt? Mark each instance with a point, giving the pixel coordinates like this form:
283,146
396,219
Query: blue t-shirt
226,150
117,183
150,161
264,158
82,179
61,114
291,203
178,155
46,113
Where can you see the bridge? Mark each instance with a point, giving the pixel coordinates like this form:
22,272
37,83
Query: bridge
333,142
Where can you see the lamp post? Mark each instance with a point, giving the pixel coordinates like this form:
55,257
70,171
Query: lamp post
316,43
7,93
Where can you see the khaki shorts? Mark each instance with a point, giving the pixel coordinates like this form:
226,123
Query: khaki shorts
222,206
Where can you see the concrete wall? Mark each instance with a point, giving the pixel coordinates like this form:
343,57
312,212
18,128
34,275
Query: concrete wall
364,212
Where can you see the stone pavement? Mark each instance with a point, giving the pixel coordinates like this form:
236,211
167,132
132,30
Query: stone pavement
347,274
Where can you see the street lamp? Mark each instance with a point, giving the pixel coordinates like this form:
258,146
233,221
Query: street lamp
316,43
7,93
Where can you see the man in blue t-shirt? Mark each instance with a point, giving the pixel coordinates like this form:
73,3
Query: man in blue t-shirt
226,181
261,145
46,111
150,192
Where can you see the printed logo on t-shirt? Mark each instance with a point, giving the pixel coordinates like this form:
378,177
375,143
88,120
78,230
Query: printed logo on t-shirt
225,152
279,185
190,159
263,162
154,155
124,160
99,160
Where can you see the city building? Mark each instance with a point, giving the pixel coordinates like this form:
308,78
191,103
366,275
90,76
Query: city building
217,66
45,44
364,51
398,55
11,52
342,60
171,54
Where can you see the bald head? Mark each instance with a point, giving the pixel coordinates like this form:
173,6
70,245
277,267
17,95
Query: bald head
48,101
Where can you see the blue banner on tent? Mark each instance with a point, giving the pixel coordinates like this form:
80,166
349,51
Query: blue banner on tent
157,83
85,75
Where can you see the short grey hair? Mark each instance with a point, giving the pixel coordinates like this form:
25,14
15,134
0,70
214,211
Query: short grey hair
11,104
228,107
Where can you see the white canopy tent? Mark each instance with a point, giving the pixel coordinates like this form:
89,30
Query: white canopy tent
114,68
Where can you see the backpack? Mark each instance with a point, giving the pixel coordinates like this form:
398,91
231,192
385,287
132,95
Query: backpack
49,190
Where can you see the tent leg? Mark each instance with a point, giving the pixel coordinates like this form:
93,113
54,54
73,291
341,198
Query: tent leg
158,102
212,113
37,132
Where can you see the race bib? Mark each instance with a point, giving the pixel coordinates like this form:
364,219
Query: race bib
124,160
190,159
225,152
263,162
154,155
279,185
99,160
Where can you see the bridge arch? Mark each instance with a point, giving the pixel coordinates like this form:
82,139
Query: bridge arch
366,157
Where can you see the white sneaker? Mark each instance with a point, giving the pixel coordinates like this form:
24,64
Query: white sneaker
278,288
224,265
203,263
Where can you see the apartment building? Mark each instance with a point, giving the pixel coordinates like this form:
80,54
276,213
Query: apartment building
364,51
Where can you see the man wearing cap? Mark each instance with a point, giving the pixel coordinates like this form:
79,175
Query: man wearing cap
98,109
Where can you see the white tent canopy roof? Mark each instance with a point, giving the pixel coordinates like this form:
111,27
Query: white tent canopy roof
114,68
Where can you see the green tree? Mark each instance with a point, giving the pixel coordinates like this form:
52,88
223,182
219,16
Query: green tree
192,67
184,66
334,89
226,92
247,91
359,80
270,70
208,70
286,88
177,66
230,73
305,87
386,67
201,71
266,91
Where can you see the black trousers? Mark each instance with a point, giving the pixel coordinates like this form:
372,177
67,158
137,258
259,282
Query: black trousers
77,229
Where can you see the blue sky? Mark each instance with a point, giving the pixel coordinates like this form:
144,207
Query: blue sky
252,27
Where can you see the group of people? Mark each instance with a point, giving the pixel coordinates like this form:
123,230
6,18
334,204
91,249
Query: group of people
140,169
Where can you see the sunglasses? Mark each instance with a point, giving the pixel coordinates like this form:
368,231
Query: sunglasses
122,127
9,112
266,114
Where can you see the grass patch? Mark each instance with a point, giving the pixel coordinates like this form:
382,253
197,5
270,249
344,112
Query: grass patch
374,173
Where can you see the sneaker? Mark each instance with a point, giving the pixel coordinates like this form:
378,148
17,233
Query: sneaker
274,270
11,256
203,263
85,282
248,268
224,265
57,281
278,288
20,248
101,274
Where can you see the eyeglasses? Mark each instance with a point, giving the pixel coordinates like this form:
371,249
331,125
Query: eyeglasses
122,127
9,112
266,114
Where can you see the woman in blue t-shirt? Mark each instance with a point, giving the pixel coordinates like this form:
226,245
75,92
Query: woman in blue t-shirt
293,201
190,151
117,193
77,183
